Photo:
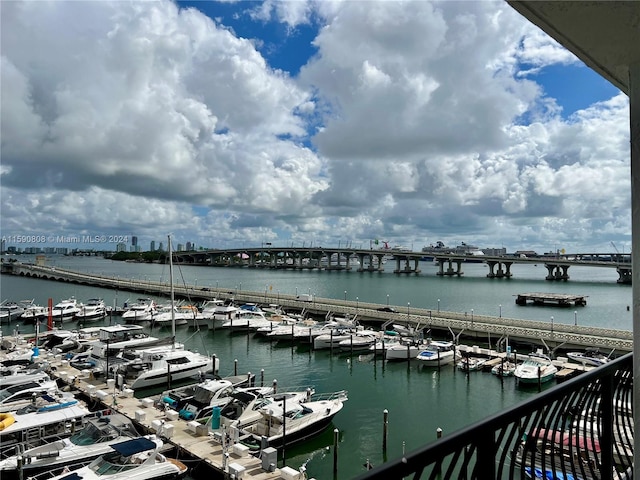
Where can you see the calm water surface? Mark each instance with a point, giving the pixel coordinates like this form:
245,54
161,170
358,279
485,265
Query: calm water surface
419,400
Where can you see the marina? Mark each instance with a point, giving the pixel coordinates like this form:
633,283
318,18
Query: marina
374,385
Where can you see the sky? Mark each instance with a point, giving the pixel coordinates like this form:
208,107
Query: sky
233,124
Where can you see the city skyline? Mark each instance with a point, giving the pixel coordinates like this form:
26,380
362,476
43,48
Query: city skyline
239,123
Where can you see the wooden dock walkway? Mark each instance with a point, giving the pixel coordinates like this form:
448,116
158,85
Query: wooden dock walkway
190,439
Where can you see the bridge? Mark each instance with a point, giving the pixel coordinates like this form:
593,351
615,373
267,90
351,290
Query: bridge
369,260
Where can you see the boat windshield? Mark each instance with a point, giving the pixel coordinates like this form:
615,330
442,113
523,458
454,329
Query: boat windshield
91,434
113,463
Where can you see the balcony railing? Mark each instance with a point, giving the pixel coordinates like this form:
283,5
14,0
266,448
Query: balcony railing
581,429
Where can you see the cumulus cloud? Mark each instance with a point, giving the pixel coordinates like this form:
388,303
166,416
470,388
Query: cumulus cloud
415,121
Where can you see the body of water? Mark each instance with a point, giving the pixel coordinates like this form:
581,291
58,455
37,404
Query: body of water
419,400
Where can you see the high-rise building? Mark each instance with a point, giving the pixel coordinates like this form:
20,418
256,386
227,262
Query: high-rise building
134,241
188,246
121,247
161,247
153,246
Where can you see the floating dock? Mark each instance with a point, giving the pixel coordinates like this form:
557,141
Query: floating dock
557,299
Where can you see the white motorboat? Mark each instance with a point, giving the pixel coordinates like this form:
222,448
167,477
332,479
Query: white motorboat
141,311
331,334
537,368
10,311
590,356
93,440
358,341
32,313
166,315
111,341
17,375
401,350
20,395
243,407
505,368
94,309
246,319
36,424
438,353
164,364
65,309
138,459
193,402
471,364
292,421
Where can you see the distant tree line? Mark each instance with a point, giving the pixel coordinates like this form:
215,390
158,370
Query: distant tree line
143,257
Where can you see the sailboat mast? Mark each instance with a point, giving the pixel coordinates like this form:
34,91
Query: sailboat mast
172,296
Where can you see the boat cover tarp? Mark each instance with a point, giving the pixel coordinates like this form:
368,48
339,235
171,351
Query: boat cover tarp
131,447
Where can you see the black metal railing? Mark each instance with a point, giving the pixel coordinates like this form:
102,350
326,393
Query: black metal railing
581,429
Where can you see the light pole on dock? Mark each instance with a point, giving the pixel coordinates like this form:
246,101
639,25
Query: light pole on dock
575,318
551,323
387,299
345,295
472,317
500,310
438,305
357,305
408,305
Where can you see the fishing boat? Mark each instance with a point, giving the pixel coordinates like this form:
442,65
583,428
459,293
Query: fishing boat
93,440
138,459
537,368
438,353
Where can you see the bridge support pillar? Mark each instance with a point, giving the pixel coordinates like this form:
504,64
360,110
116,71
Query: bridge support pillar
450,270
624,275
506,273
407,265
557,272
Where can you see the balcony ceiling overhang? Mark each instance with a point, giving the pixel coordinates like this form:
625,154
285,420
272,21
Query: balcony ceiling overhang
605,35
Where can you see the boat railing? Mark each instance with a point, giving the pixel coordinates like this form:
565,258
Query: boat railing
588,422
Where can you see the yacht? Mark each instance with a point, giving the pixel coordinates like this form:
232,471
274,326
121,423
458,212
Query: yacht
36,424
292,421
94,309
10,311
93,440
193,402
537,368
164,364
140,311
180,314
438,353
65,309
138,459
16,375
32,313
19,395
